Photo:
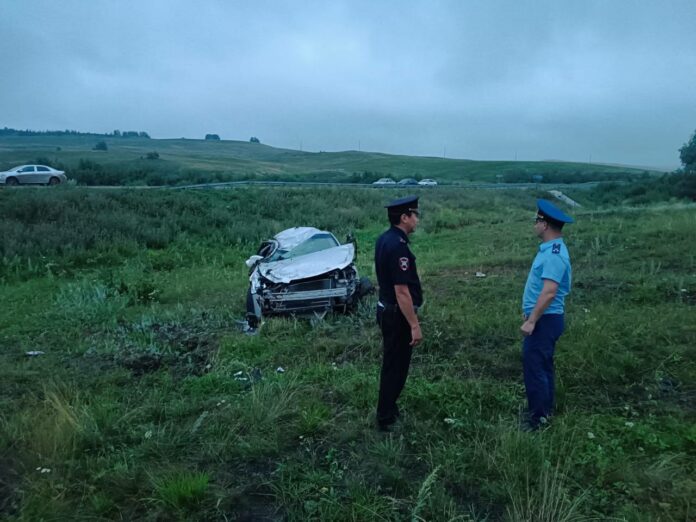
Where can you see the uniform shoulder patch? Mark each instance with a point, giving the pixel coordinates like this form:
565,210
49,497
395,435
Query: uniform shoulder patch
556,248
403,263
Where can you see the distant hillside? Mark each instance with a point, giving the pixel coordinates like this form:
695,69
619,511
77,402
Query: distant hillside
181,161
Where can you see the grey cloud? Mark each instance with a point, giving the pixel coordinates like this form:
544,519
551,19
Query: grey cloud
485,79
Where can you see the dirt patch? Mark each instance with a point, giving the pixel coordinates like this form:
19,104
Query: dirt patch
256,508
192,349
143,363
252,498
182,349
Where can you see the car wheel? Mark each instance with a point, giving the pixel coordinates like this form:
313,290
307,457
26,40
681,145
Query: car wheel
53,181
366,287
12,182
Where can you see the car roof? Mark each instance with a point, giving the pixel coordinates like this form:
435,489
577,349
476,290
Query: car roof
291,237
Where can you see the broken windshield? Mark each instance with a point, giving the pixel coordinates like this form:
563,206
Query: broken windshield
316,243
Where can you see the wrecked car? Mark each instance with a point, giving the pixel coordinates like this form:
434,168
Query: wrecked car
303,270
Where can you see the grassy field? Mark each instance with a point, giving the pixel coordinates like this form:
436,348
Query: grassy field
138,411
185,161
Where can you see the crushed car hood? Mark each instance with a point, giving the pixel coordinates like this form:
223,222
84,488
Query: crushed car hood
309,265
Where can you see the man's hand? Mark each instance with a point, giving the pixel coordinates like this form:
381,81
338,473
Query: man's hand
548,293
416,335
403,298
527,328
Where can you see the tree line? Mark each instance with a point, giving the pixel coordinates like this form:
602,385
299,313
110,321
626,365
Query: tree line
6,131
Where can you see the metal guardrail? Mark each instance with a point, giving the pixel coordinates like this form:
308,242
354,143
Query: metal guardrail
456,184
498,186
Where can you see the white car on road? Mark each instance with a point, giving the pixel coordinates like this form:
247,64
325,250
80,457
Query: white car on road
428,182
384,181
32,174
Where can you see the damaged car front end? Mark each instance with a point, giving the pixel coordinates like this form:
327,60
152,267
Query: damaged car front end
303,270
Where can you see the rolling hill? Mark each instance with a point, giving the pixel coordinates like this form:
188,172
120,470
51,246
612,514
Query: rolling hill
184,161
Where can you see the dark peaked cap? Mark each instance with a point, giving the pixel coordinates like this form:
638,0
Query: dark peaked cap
552,212
402,205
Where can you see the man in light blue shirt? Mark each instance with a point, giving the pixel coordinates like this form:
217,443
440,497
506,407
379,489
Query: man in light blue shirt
543,306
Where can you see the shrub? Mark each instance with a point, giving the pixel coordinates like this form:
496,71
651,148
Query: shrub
685,187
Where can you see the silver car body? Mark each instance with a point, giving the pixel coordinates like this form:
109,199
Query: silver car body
302,269
427,182
384,181
32,175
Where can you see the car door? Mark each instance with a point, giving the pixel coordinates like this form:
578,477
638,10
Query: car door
26,174
43,174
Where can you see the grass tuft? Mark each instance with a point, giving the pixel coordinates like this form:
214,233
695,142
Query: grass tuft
181,490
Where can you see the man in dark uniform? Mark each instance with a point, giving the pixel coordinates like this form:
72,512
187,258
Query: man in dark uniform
400,296
543,308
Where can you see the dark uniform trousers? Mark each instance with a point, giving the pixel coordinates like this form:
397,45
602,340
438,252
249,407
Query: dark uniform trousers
537,361
396,333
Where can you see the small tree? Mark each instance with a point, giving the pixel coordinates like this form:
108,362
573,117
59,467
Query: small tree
117,133
687,154
212,137
254,139
101,145
152,155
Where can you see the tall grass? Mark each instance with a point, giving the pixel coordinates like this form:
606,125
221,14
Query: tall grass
149,404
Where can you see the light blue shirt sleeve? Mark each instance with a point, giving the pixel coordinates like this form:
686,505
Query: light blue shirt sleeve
554,268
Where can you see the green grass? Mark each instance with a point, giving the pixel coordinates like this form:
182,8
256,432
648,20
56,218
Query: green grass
185,161
137,411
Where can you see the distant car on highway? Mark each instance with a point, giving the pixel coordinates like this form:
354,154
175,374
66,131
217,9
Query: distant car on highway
408,181
428,182
32,174
384,181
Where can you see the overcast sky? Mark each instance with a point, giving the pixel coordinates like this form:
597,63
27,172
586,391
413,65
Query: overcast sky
606,81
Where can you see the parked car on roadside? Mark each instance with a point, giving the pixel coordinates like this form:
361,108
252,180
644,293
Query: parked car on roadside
303,270
427,182
384,181
32,175
408,181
